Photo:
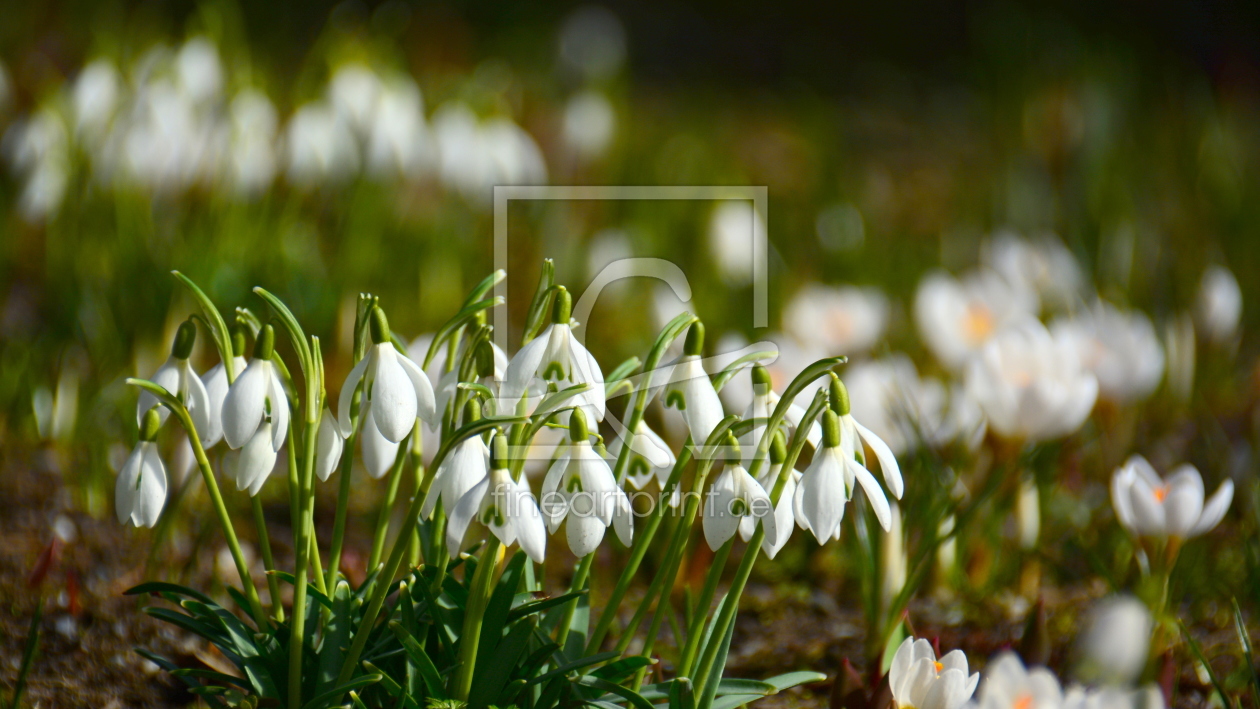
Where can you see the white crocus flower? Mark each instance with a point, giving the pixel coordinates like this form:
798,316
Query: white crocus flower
1010,685
905,410
1043,265
1031,385
1150,507
176,376
216,382
828,483
764,401
252,465
581,489
956,318
1120,348
918,680
140,491
256,397
555,356
396,391
505,506
465,466
848,320
1219,304
650,458
735,501
690,390
328,446
1117,640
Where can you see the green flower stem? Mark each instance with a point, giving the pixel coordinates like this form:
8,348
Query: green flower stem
387,505
659,588
417,470
317,564
302,549
478,596
343,501
264,544
696,632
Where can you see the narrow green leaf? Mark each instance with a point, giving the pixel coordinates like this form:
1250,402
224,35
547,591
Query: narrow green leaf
457,321
613,688
210,674
492,675
482,288
539,606
734,701
296,334
163,587
537,313
336,634
214,321
1207,666
420,660
576,665
793,679
389,685
332,696
494,619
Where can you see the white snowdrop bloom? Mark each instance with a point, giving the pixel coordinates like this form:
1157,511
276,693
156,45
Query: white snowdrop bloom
734,229
474,156
764,401
555,355
167,145
94,98
354,92
589,123
216,383
688,389
176,376
580,489
319,146
513,152
252,143
505,506
784,512
395,390
1010,685
328,445
858,434
737,501
37,149
848,320
465,466
1120,348
1043,265
828,483
1116,643
650,459
398,138
252,464
1220,304
140,490
379,453
1031,385
199,70
918,681
256,397
957,317
1174,507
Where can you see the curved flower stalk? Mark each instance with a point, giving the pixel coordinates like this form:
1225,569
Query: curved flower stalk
216,382
784,512
465,466
257,399
140,491
580,489
1031,385
505,506
690,390
735,501
397,392
176,375
555,356
762,405
650,458
919,681
1148,506
829,481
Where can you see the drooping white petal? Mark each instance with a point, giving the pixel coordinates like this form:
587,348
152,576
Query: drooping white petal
256,461
167,377
759,507
151,494
345,398
1215,509
528,523
719,523
378,451
521,370
554,501
127,482
874,493
584,531
197,400
216,383
243,406
426,406
394,403
328,446
701,407
463,468
462,514
586,371
279,410
887,461
822,495
623,518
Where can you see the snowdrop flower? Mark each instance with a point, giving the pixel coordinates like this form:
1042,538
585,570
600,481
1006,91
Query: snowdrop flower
395,390
838,395
328,445
589,124
94,98
353,93
257,398
784,515
846,320
689,389
918,681
216,384
1010,685
650,458
736,500
319,146
199,70
1043,265
733,229
251,154
956,318
828,483
176,376
398,141
1031,385
505,506
140,491
379,453
1121,349
465,466
1150,507
763,404
1220,304
555,355
1116,643
252,464
580,488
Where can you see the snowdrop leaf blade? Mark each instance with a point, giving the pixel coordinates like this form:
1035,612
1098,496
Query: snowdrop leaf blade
296,334
218,327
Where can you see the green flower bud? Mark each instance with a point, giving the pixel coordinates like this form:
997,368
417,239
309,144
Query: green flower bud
778,449
472,411
266,342
695,339
732,448
831,429
484,359
379,325
185,337
562,310
499,451
577,427
760,378
238,340
838,396
150,424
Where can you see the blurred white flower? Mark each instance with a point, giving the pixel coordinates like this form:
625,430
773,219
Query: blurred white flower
847,320
593,42
474,156
319,146
252,145
903,409
589,124
1220,304
1043,265
94,97
353,92
166,144
1149,697
1120,348
1150,507
38,151
399,144
1116,642
733,229
957,317
1031,385
918,681
1010,685
199,71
